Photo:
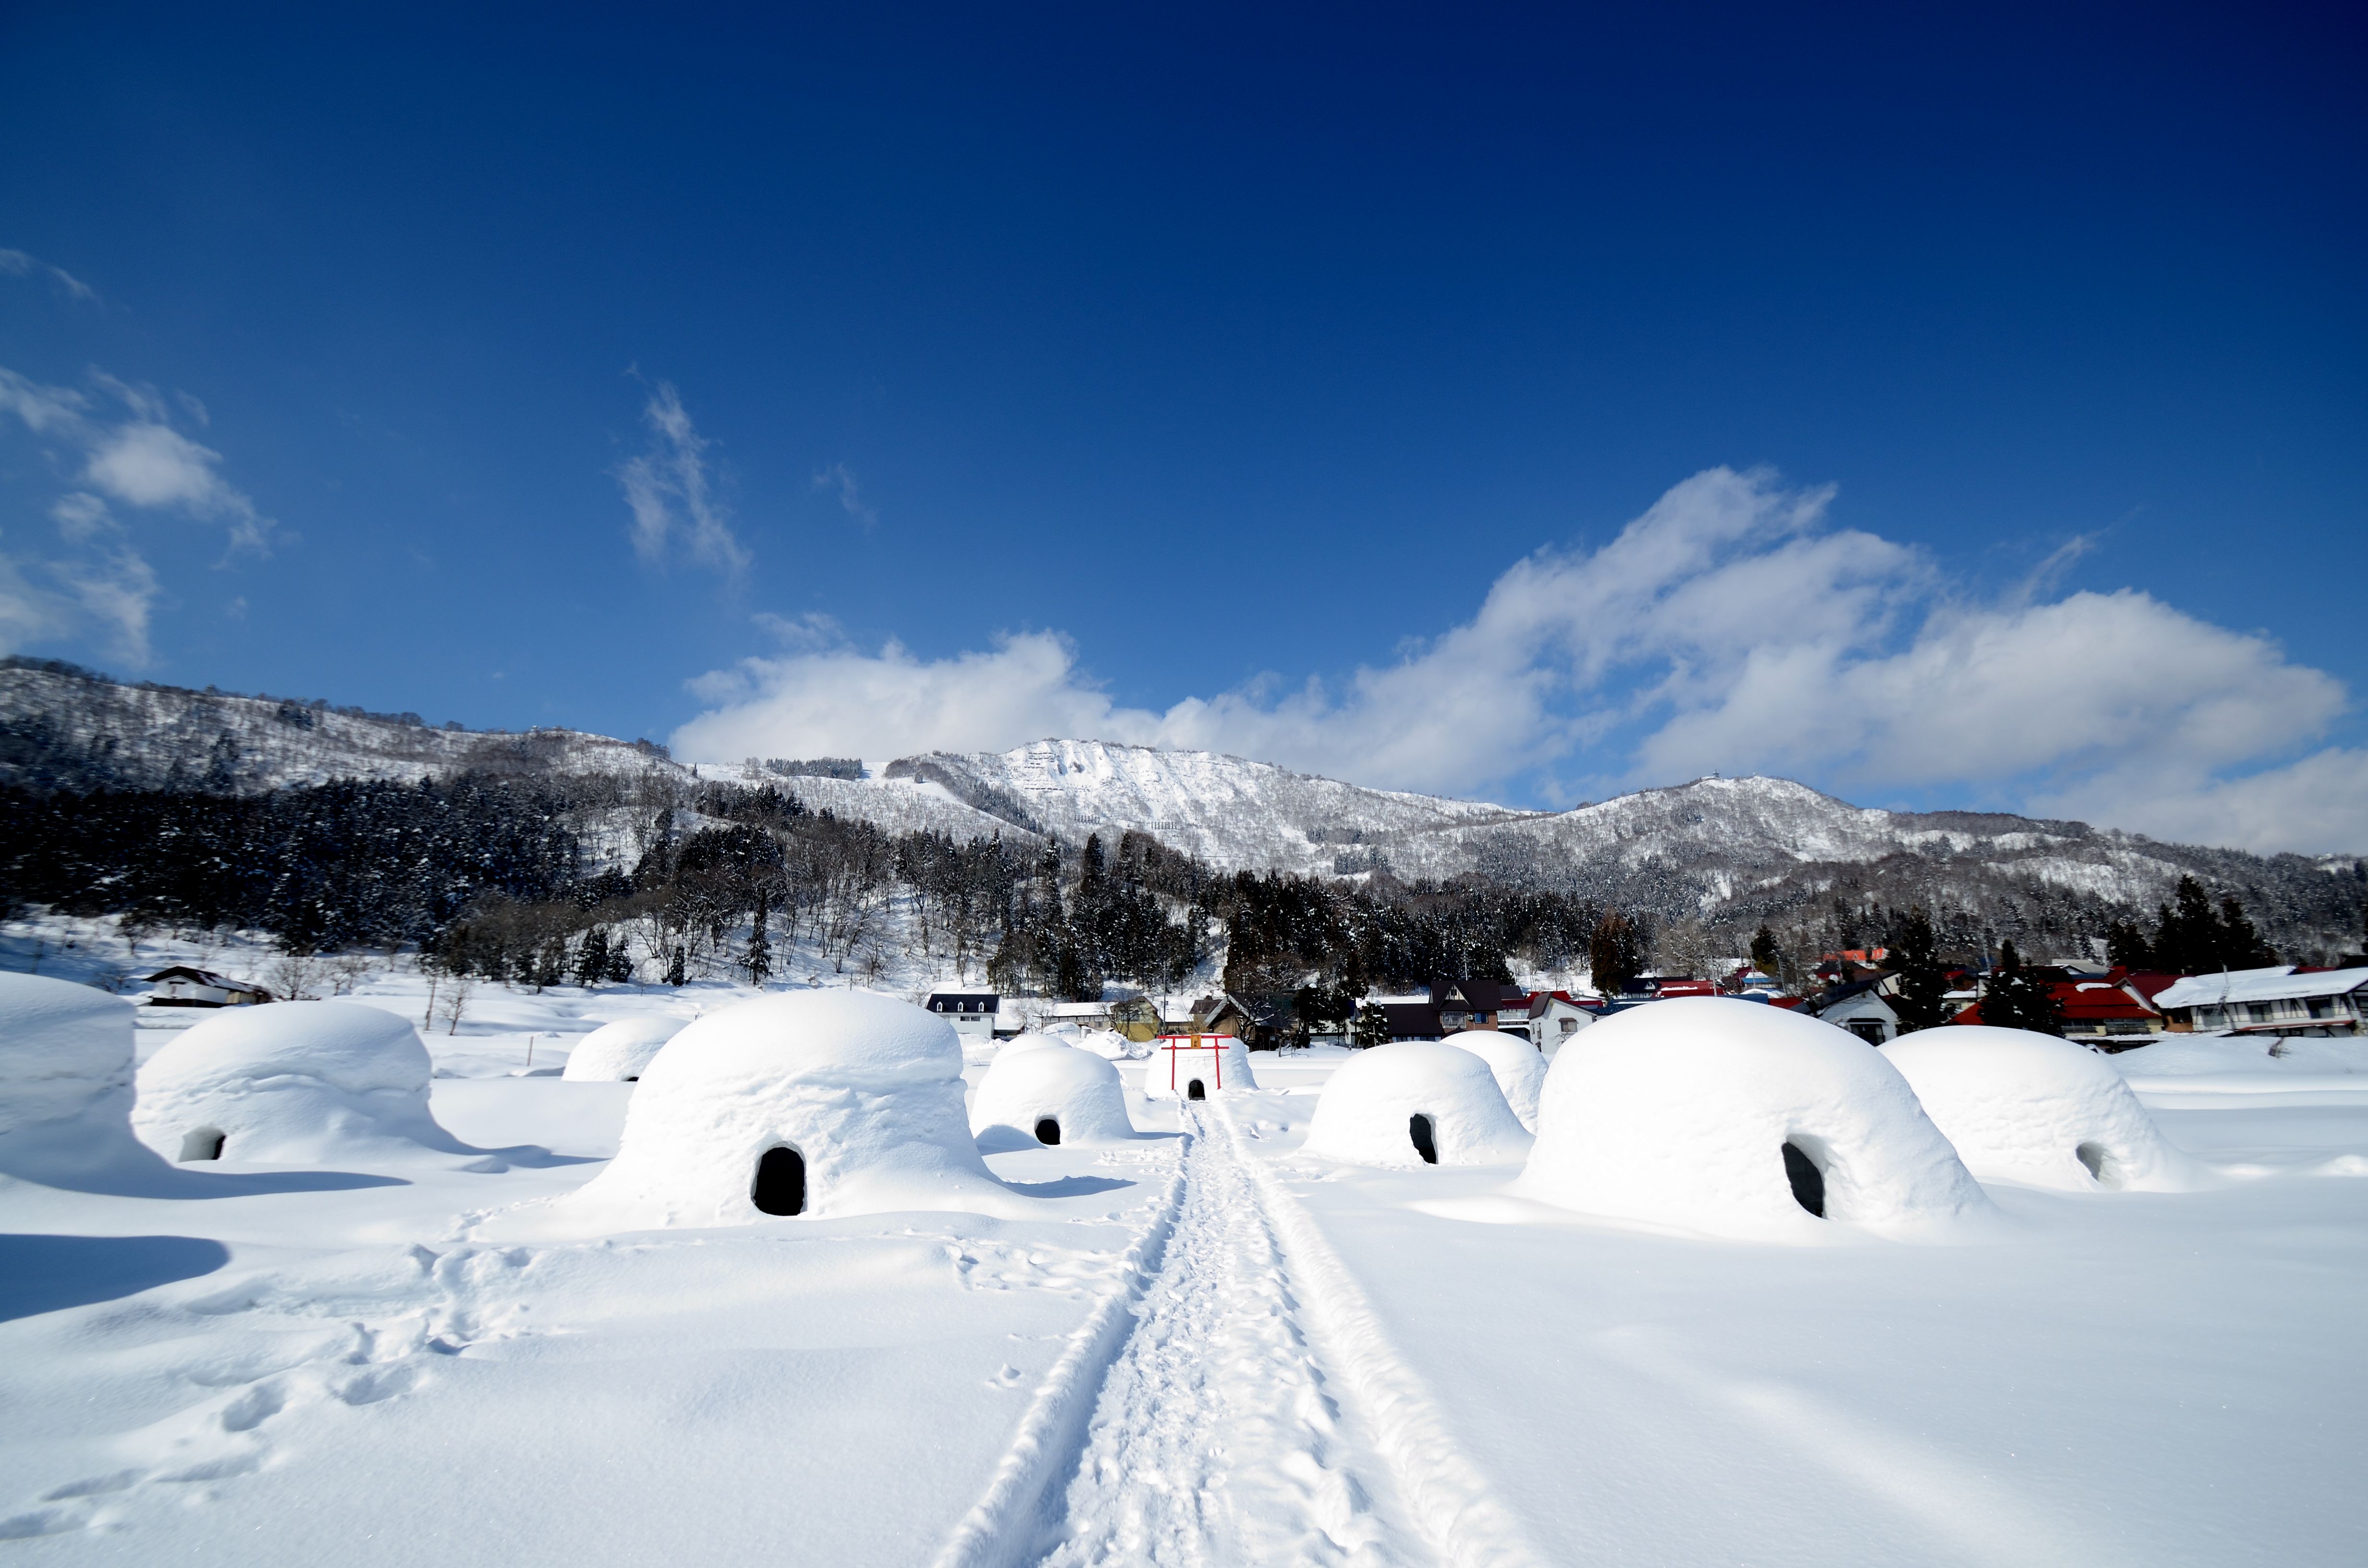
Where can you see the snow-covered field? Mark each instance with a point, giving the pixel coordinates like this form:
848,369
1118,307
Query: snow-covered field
1201,1345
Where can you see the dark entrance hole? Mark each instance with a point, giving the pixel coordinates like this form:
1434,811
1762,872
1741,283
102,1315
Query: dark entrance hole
634,1079
1418,1128
1048,1131
2100,1163
781,1183
1193,1091
205,1143
1808,1181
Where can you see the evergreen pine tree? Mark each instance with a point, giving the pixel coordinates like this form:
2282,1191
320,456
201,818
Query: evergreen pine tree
1923,979
758,960
1370,1028
1615,953
592,958
2127,946
676,966
1764,957
2019,1000
2240,946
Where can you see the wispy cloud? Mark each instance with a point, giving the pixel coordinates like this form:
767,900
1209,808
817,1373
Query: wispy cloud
16,264
1731,627
839,478
98,585
114,445
136,457
671,493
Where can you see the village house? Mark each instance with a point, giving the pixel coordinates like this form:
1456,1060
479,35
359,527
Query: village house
1451,1007
1554,1017
1859,1008
972,1013
183,986
2279,1001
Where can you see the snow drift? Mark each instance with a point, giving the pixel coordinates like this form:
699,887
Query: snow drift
2032,1108
1519,1069
1416,1103
1062,1094
294,1082
1218,1064
617,1052
1736,1119
65,1083
821,1102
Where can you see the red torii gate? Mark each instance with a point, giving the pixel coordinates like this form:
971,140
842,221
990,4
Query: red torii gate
1173,1044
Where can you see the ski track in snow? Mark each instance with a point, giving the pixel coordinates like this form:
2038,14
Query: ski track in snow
1235,1421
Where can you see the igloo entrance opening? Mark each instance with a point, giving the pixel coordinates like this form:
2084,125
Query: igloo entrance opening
1808,1181
202,1144
2100,1163
1193,1091
780,1182
1418,1128
1048,1131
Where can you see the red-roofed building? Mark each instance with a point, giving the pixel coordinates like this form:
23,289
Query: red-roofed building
2095,1010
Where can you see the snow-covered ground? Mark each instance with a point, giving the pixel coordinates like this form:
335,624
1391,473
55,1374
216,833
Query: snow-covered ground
1201,1347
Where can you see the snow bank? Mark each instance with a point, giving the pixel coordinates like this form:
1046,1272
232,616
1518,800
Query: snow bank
1681,1113
2032,1108
1520,1070
819,1102
1219,1063
294,1082
65,1081
1071,1094
1382,1104
616,1053
1112,1046
2181,1055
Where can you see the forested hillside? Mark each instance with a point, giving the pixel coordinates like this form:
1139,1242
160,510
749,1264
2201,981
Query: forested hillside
1056,867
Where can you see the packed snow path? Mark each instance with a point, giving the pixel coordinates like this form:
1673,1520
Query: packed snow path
1251,1413
1217,1439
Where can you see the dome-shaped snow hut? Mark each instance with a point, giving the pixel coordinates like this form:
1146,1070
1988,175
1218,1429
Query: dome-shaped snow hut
815,1102
2032,1108
65,1082
1194,1067
1058,1095
1416,1103
1520,1070
295,1083
616,1053
1737,1119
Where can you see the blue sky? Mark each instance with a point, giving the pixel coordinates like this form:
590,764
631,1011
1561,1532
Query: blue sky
1981,397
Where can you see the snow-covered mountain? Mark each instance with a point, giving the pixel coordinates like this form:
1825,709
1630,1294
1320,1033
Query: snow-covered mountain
1232,813
1712,847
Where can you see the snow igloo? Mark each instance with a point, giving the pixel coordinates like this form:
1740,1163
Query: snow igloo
65,1083
1194,1067
2042,1111
1057,1095
617,1052
1416,1103
1519,1069
810,1103
1739,1119
291,1082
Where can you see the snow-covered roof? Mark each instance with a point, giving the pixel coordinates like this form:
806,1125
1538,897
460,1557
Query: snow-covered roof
2258,985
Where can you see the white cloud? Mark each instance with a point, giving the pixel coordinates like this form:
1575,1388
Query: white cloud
1731,629
140,460
838,701
103,587
16,264
670,493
